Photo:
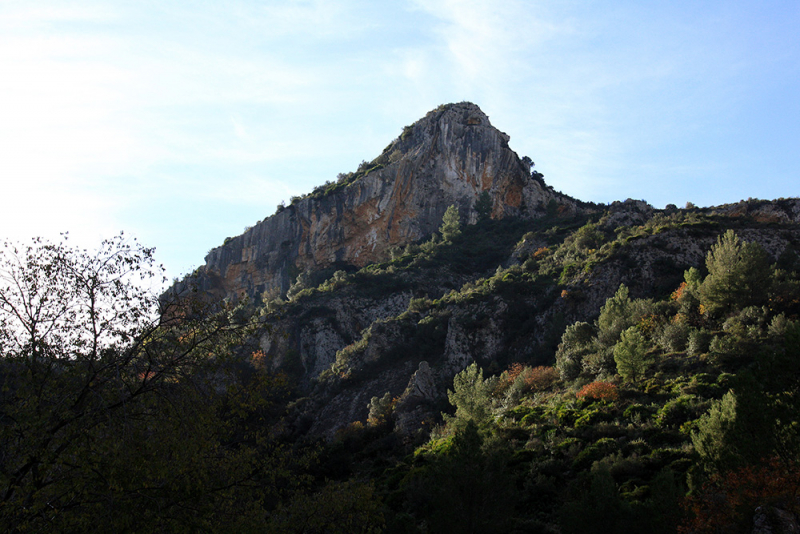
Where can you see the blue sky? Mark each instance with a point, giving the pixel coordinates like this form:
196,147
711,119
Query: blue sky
183,122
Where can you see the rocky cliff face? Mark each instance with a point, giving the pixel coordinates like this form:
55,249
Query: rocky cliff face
502,293
450,156
351,344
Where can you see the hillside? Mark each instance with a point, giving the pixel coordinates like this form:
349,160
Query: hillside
373,347
502,292
437,342
561,429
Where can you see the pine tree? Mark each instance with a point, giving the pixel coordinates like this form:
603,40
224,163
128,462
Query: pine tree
614,317
451,224
739,274
471,396
630,354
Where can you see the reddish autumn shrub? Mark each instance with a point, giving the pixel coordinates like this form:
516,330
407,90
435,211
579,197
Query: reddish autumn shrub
599,391
540,378
514,371
729,502
678,293
533,379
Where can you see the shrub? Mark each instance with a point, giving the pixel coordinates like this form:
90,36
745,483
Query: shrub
592,418
483,206
259,360
677,411
732,502
540,378
637,411
779,326
599,363
541,252
380,409
514,370
599,390
620,313
719,437
597,451
614,317
699,341
418,305
728,348
350,432
576,342
302,282
673,337
451,224
471,396
535,416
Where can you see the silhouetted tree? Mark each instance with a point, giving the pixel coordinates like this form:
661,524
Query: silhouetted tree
123,412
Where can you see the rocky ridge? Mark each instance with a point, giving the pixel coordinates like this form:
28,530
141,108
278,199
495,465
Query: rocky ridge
405,323
449,157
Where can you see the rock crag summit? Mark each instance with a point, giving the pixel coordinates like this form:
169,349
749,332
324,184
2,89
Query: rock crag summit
449,157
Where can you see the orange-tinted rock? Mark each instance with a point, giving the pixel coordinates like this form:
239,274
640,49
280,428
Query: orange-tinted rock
448,157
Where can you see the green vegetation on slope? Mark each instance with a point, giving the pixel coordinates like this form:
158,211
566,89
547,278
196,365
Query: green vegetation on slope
651,405
649,413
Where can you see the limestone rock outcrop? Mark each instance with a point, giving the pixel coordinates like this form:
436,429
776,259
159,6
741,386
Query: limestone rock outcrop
451,156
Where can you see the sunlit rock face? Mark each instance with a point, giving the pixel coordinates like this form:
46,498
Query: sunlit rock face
448,157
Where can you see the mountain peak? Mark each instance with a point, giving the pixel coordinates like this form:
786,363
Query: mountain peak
451,156
455,119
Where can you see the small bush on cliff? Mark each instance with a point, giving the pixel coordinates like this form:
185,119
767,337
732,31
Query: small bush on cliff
302,282
380,409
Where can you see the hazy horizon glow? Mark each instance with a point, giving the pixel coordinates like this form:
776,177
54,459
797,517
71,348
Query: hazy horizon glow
183,123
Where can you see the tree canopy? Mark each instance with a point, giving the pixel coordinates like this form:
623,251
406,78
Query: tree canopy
122,411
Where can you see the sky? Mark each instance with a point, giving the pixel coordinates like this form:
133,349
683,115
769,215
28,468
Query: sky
183,122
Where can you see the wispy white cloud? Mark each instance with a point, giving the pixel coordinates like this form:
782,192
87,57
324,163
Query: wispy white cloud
485,39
